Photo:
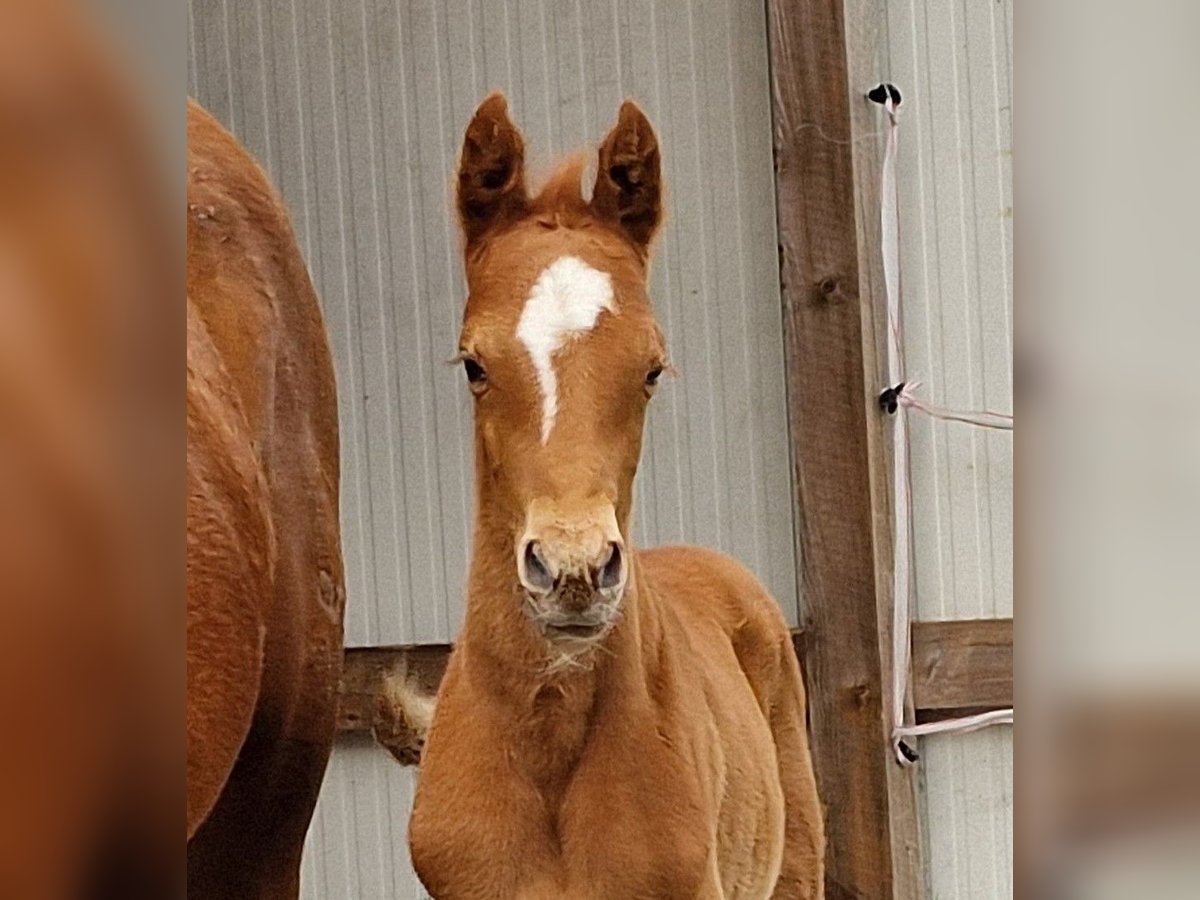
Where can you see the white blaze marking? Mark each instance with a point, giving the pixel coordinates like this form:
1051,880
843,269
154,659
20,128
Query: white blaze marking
565,302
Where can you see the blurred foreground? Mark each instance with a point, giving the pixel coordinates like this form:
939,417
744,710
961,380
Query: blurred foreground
1109,496
91,454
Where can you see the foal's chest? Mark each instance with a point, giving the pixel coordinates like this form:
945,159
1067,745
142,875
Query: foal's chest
611,834
651,857
634,840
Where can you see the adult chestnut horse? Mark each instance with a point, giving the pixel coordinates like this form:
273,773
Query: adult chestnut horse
264,563
612,723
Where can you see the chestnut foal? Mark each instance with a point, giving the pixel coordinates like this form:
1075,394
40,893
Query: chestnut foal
612,723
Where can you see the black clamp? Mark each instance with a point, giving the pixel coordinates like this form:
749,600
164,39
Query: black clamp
909,753
884,91
889,400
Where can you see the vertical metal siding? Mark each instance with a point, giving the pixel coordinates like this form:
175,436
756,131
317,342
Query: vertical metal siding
357,109
967,814
357,846
953,60
955,179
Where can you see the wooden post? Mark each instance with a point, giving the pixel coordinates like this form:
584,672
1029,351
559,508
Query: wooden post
841,504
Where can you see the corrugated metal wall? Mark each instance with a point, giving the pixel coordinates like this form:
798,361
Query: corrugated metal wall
953,60
357,847
357,109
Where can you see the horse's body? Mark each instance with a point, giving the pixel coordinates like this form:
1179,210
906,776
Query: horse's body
612,723
264,565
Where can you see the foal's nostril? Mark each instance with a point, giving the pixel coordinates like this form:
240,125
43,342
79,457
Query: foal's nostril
613,571
536,573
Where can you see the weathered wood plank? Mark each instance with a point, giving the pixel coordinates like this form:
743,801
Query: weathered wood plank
865,795
960,665
965,664
368,692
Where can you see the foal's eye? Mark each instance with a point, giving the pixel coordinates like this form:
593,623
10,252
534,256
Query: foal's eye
475,373
652,376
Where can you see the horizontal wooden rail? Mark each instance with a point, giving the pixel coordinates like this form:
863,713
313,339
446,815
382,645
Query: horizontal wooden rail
962,665
957,666
366,670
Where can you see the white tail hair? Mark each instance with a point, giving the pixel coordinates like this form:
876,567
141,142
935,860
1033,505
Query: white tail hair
404,717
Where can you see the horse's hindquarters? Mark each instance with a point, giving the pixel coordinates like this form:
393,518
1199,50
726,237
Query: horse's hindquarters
265,580
229,566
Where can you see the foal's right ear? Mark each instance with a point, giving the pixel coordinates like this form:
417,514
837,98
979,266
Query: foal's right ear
491,170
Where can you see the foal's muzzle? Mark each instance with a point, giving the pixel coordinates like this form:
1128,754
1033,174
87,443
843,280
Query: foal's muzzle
572,563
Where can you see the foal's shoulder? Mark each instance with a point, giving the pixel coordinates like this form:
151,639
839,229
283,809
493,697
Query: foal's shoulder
686,562
711,583
705,586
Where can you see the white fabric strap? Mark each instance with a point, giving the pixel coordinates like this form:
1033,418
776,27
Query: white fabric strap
958,726
983,418
906,400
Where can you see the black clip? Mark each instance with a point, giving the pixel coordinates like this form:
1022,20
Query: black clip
889,400
882,92
909,753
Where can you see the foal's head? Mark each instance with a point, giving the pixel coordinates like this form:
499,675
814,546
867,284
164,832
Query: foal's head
562,354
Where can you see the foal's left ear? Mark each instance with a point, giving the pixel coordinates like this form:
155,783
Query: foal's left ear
628,189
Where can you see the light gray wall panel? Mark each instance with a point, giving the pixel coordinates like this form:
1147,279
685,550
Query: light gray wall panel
357,845
967,814
955,179
953,60
357,110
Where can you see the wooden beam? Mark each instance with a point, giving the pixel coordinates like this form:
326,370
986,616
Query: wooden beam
961,665
867,63
870,802
957,665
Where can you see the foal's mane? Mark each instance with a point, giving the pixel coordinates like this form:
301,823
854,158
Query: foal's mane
560,204
560,201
